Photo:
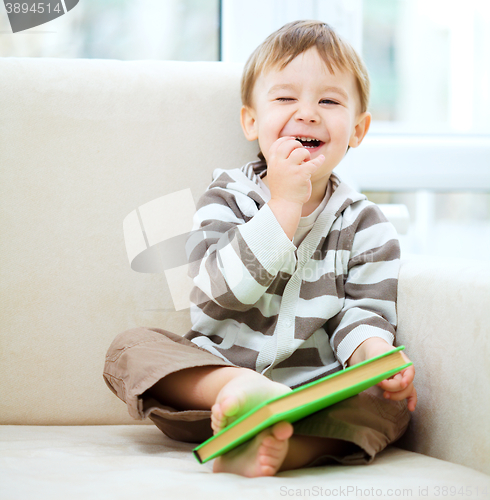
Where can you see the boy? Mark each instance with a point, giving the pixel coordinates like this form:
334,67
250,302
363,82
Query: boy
295,276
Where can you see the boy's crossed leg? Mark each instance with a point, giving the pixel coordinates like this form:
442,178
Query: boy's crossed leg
231,392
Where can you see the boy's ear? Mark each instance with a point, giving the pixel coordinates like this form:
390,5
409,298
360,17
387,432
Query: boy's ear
360,130
247,119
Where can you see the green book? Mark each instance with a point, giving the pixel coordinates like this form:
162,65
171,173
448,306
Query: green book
303,401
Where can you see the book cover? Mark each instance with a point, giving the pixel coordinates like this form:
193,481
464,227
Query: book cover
303,401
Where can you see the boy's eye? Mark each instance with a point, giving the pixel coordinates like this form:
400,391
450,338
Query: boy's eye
285,99
328,101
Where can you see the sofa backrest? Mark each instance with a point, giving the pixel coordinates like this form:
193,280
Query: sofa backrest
82,144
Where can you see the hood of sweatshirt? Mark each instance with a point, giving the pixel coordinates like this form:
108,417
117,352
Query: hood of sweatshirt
247,181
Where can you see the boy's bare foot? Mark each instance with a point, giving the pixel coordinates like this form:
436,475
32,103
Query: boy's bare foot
262,456
274,449
240,395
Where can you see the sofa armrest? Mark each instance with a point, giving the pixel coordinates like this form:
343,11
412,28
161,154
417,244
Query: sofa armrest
444,318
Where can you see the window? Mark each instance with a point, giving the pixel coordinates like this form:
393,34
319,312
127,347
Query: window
185,30
429,64
430,75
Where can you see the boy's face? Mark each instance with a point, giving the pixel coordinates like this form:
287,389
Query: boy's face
305,100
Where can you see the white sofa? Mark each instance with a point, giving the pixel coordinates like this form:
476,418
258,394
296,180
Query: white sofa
82,144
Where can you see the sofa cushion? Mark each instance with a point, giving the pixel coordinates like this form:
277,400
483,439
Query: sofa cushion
82,144
128,462
443,321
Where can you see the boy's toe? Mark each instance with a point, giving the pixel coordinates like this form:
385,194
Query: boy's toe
229,406
282,431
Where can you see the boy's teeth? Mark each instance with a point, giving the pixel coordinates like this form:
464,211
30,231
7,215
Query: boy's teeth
308,142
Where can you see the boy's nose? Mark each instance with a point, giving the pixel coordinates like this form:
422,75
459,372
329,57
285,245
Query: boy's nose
307,114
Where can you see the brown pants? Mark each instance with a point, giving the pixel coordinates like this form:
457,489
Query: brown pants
138,358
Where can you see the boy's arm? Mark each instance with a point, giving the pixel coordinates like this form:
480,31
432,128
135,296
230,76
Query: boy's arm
370,283
235,252
287,215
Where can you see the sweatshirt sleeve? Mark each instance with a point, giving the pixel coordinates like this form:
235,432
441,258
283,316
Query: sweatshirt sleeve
370,285
236,250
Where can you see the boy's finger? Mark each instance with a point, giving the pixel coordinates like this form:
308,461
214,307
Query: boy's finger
392,384
405,377
284,146
412,400
409,375
282,140
299,155
397,376
313,165
399,395
318,160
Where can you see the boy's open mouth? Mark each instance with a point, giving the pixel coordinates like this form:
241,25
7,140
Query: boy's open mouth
309,142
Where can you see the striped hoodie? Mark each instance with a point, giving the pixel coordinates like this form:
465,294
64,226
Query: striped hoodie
294,314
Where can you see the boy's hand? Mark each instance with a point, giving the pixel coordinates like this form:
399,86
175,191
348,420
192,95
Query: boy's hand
289,170
401,386
398,387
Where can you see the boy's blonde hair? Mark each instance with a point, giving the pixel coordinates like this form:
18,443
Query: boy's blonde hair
282,46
